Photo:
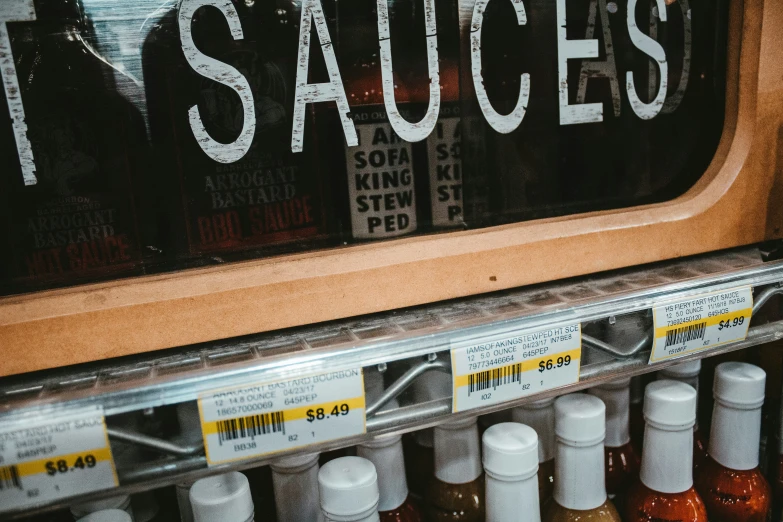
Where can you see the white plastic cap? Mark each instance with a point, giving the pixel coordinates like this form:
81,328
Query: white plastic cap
670,404
510,450
580,419
294,463
121,502
348,488
739,385
107,515
382,441
222,498
457,424
681,371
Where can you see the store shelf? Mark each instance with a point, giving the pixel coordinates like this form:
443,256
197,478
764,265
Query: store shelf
614,310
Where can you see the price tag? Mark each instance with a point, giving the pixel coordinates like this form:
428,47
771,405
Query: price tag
250,421
691,325
506,367
60,457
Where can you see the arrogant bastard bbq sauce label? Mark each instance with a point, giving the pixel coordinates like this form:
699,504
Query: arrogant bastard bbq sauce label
267,196
380,178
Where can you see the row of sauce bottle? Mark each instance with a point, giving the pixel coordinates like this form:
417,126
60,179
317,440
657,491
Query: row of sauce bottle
560,459
124,187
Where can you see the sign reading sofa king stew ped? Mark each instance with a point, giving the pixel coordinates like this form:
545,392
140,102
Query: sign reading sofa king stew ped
333,91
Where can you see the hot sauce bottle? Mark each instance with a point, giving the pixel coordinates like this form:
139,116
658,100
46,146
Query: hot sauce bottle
622,461
395,504
777,514
348,488
214,204
665,490
540,415
510,458
729,480
380,170
688,372
295,482
75,220
580,487
456,492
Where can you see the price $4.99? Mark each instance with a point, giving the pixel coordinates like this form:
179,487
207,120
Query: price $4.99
737,321
551,364
320,414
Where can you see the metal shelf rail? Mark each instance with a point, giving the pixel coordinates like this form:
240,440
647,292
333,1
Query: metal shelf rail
399,351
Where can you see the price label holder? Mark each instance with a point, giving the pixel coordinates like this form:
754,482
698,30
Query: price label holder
513,365
62,456
695,324
246,422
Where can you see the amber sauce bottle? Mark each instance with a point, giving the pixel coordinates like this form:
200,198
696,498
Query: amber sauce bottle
665,489
622,461
540,415
688,372
510,458
419,447
295,482
580,490
77,222
730,481
456,492
395,504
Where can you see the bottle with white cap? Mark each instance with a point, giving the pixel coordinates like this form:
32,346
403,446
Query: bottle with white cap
122,502
510,458
665,489
729,481
777,472
107,515
456,492
688,372
540,415
295,482
222,498
394,505
419,448
580,488
348,489
622,461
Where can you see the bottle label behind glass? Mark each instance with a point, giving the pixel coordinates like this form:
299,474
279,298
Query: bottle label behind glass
380,178
445,165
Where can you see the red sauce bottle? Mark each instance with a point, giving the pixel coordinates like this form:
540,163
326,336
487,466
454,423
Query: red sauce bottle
395,503
688,372
730,481
665,489
622,461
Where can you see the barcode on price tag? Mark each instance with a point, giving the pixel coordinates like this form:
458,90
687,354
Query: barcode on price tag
691,325
66,455
251,421
510,366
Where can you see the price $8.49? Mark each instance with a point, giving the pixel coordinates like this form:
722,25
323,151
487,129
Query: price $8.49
551,364
53,467
321,414
737,321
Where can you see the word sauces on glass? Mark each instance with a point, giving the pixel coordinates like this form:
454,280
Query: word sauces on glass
231,129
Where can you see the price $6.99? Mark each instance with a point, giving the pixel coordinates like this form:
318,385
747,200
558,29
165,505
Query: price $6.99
551,364
321,414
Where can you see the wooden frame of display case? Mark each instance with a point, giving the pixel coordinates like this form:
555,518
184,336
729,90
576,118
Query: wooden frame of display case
738,201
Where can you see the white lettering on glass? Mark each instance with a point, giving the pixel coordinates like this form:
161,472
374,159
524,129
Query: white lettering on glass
503,124
222,73
16,11
603,68
406,130
318,92
567,50
653,49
